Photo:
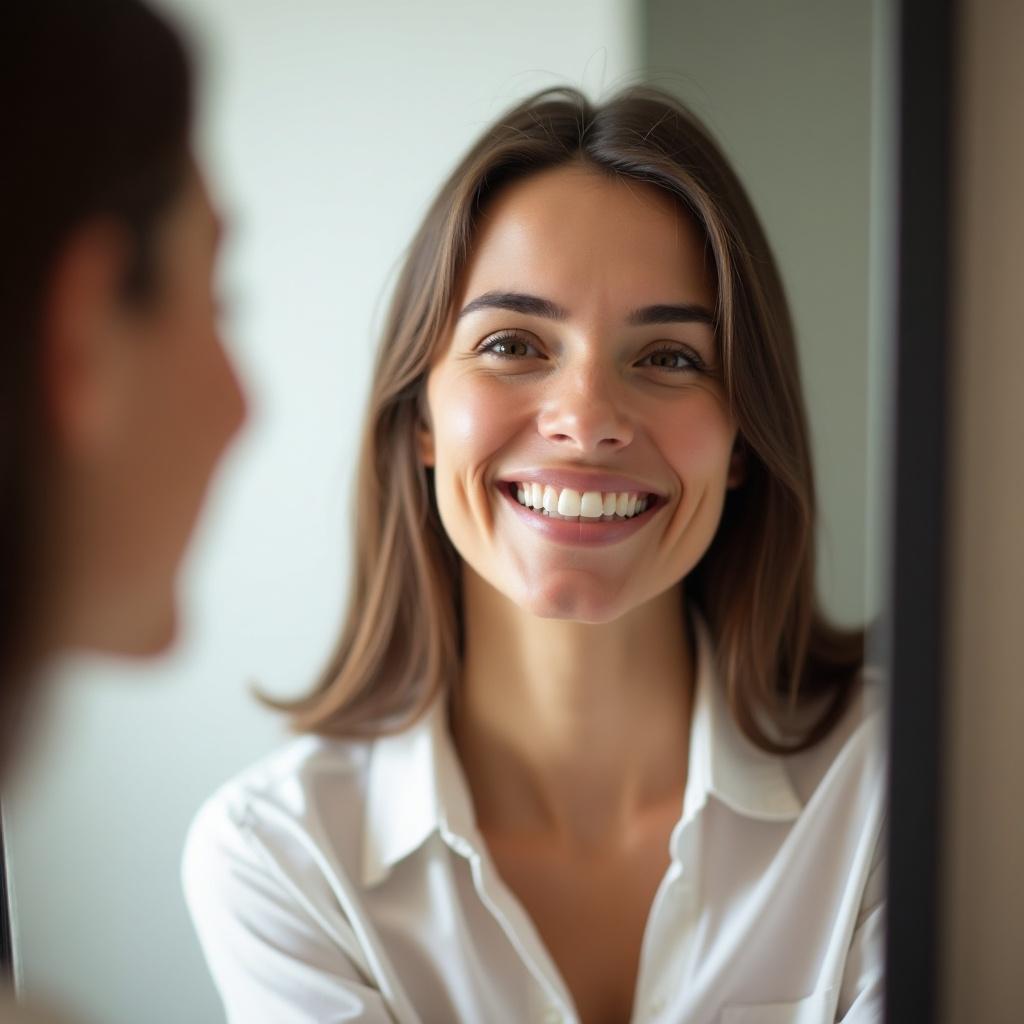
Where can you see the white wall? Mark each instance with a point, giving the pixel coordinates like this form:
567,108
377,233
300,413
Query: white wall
326,127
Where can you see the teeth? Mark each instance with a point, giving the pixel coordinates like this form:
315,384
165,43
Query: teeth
591,505
571,504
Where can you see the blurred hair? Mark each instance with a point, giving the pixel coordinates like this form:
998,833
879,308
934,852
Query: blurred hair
95,121
402,641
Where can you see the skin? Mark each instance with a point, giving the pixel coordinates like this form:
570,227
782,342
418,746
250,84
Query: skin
573,715
142,401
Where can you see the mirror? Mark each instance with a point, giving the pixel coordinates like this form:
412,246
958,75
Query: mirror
325,131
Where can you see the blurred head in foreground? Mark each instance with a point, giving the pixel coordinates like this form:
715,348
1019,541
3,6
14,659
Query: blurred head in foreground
116,396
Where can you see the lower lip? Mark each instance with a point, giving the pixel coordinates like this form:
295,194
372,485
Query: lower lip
572,531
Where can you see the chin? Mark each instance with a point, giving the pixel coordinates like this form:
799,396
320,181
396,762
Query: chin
164,634
153,637
573,601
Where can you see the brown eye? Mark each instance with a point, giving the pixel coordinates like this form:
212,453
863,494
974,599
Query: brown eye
672,359
508,346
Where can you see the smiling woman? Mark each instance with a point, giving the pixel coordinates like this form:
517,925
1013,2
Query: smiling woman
587,743
581,393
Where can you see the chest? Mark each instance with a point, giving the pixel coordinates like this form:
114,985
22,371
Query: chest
591,914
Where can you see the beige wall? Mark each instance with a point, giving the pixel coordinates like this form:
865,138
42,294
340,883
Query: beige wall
982,977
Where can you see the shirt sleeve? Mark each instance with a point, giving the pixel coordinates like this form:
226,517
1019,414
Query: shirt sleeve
862,992
273,957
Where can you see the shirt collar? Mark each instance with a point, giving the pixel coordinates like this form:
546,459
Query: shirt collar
416,784
722,761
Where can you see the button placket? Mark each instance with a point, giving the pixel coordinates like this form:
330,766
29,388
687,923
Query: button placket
673,934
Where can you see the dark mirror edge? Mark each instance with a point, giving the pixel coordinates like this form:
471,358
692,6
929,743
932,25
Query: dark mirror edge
918,503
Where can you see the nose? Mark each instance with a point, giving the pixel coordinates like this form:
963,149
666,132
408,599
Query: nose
584,411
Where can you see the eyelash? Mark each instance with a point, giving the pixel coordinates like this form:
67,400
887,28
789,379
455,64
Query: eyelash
695,363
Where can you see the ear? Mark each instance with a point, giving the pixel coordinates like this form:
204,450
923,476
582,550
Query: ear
737,464
80,323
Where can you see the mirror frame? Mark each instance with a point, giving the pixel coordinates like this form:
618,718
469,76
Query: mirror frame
920,344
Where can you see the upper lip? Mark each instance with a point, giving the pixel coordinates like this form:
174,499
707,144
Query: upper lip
581,480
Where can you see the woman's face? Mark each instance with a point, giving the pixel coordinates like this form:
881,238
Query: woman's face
582,361
145,426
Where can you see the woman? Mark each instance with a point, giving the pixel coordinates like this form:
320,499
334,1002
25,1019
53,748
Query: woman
118,399
116,396
588,750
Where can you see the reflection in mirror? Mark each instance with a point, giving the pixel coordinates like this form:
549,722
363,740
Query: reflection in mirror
576,556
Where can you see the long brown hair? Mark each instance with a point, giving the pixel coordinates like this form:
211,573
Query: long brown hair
402,638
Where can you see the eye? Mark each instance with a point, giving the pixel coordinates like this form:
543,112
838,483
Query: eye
508,345
675,359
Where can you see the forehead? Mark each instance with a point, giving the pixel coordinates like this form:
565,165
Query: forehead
586,239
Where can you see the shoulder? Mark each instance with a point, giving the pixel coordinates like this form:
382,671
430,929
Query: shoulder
270,875
283,811
852,755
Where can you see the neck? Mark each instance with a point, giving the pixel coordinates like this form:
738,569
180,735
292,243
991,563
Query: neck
571,730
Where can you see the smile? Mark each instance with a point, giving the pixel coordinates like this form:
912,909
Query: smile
551,516
567,503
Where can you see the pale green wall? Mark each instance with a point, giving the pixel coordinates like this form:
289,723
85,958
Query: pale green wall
786,88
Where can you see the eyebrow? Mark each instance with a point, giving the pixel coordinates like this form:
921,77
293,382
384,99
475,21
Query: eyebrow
516,302
534,305
683,313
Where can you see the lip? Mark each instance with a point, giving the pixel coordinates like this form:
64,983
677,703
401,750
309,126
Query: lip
576,532
580,480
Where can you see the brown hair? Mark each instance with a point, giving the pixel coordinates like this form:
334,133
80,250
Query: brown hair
402,638
96,117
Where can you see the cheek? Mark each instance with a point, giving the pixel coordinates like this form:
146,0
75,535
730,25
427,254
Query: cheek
196,406
697,439
471,421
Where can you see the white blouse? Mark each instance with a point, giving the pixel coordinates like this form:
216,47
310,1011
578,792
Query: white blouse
341,880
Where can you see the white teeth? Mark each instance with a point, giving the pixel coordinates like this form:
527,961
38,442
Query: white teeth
591,505
571,504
